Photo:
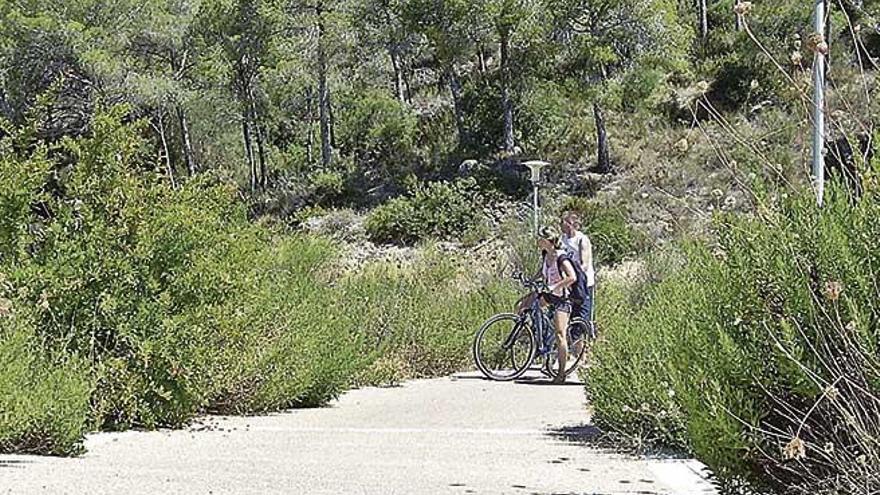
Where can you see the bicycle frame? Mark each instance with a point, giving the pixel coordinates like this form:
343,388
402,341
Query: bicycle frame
543,338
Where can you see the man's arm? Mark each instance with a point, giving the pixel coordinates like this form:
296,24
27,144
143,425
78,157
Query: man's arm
586,249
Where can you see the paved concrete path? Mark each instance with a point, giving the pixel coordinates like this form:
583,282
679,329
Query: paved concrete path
453,435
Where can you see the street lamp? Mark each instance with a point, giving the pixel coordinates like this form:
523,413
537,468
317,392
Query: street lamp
535,167
819,104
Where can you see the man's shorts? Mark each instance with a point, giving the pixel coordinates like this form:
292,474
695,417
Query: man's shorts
583,309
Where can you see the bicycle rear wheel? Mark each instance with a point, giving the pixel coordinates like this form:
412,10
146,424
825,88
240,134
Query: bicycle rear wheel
578,334
504,347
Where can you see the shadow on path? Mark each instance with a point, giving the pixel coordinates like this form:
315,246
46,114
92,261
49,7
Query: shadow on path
588,435
525,380
585,435
546,381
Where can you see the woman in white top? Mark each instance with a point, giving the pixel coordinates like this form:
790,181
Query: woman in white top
559,273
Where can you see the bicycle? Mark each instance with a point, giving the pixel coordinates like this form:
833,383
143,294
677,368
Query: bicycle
508,344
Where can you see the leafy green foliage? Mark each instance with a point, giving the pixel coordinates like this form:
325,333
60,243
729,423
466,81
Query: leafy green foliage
328,186
148,304
381,134
439,210
45,399
747,352
608,227
422,317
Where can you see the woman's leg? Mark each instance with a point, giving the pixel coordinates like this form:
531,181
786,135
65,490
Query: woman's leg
561,323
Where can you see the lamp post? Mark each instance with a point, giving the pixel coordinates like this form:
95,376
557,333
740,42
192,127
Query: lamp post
535,167
819,103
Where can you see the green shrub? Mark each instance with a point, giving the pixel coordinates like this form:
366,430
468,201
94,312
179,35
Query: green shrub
328,186
548,120
380,134
441,210
145,281
734,61
124,244
640,89
149,304
481,116
759,354
44,407
552,123
612,237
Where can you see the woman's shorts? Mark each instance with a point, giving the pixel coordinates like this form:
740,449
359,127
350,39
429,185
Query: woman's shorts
558,303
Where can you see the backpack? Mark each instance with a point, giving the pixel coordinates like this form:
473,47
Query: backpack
578,291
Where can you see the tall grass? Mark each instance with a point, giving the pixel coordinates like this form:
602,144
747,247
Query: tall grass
44,404
148,304
758,354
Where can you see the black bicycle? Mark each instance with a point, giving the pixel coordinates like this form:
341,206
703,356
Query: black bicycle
509,344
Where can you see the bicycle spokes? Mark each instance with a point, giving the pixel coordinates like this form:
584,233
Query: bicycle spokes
503,347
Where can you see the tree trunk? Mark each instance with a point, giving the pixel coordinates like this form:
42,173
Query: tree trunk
603,158
332,119
407,74
481,60
177,61
188,155
323,97
166,153
261,149
310,142
739,19
506,103
249,149
827,35
456,91
259,133
399,84
310,139
703,19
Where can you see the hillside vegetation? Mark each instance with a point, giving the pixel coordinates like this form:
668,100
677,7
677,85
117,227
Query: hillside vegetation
248,205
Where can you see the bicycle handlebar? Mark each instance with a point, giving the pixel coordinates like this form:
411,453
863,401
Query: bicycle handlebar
533,285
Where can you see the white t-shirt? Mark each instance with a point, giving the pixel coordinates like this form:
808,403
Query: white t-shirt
572,246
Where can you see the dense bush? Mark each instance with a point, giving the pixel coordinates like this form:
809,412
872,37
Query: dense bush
759,354
641,89
608,227
380,134
151,303
553,123
45,399
482,125
328,186
438,210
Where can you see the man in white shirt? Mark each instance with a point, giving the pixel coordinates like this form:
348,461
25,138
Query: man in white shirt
579,247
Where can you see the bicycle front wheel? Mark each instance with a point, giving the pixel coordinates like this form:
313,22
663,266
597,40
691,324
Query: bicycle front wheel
504,347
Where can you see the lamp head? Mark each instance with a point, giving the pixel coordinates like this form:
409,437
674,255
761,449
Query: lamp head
535,167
